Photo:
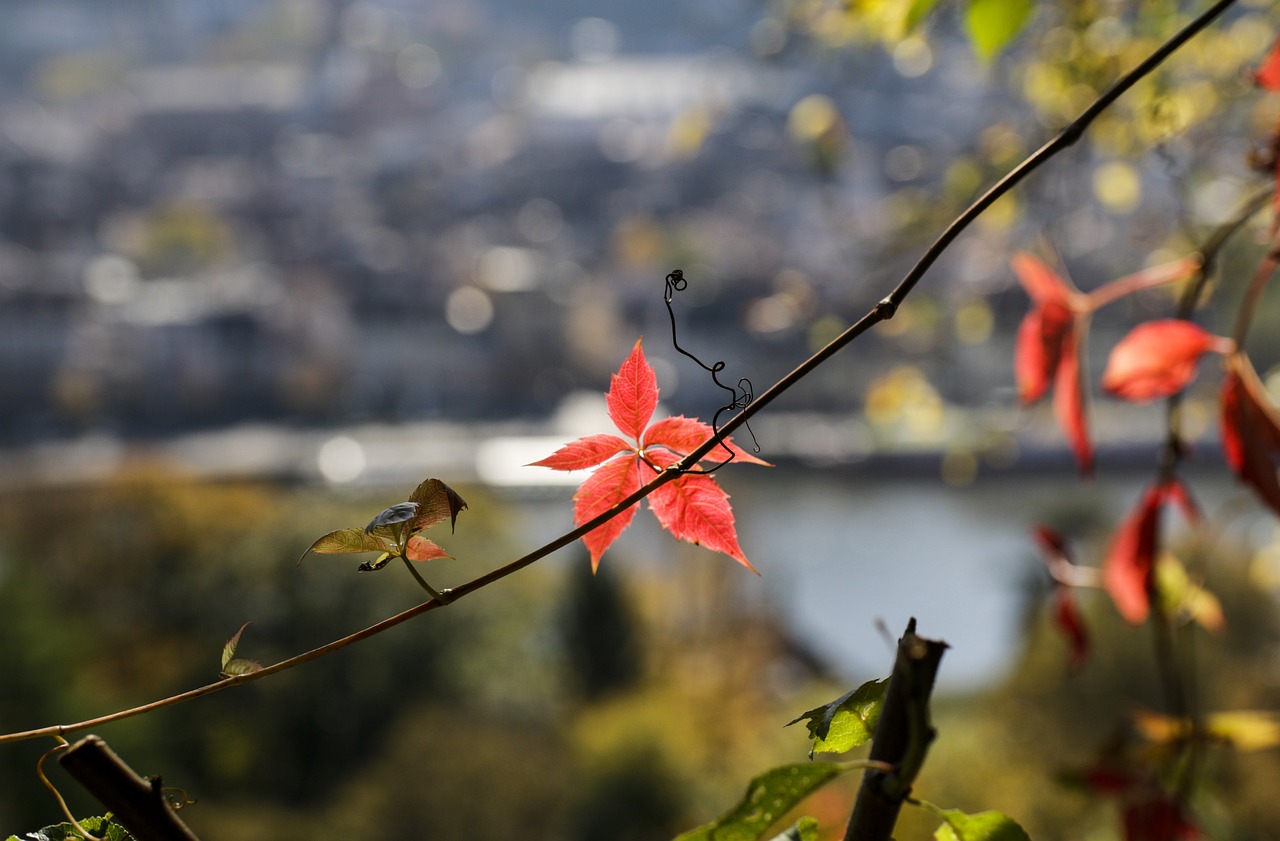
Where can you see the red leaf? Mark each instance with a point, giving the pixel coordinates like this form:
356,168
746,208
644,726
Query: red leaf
1042,283
585,452
1268,73
611,483
1069,403
633,394
1158,359
1251,430
683,435
1039,349
1129,568
1066,612
421,549
1067,618
1158,818
696,509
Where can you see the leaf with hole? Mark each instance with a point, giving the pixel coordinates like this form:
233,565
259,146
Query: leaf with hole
846,722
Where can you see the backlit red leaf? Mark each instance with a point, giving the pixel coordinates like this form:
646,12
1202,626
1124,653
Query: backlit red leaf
611,483
585,452
1069,403
1039,349
1268,73
1251,430
633,394
421,549
1129,568
1042,283
683,435
1069,621
696,509
1158,359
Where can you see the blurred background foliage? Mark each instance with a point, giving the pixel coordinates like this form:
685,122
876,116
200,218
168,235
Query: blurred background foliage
637,703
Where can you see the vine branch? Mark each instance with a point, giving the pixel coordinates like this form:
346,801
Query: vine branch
882,311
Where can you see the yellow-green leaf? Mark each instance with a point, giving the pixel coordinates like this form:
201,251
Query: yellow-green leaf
992,24
347,542
846,722
983,826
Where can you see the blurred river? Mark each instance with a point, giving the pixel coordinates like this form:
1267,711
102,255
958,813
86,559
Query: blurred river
841,549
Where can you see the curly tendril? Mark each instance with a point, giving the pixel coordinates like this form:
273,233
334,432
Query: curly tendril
741,396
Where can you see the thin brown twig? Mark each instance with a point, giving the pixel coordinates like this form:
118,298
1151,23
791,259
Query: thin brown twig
882,311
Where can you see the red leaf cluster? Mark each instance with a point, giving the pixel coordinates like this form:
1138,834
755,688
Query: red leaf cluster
692,507
1128,571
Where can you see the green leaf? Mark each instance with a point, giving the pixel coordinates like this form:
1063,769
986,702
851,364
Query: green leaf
347,542
769,796
846,722
992,24
437,502
805,829
103,827
984,826
231,666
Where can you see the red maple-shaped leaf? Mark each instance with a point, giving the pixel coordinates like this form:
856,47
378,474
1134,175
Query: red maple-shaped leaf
1128,571
1251,430
1159,359
692,506
1267,75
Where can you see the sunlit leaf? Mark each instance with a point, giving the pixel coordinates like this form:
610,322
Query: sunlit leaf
436,503
1070,402
1158,359
401,512
769,796
240,666
1129,567
696,509
683,435
992,24
633,394
585,452
347,542
846,722
983,826
1245,730
1251,430
104,827
420,548
612,482
1268,73
1183,596
229,648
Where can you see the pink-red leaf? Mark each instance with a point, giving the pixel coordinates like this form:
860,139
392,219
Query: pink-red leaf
1042,283
683,435
633,394
420,548
1158,359
1070,403
1128,571
696,509
1039,349
1251,430
611,483
1268,73
1066,610
585,452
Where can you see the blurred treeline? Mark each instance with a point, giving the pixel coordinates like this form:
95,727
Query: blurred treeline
557,705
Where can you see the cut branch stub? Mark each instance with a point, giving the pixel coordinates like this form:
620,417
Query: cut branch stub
902,738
